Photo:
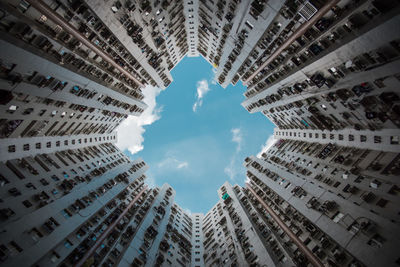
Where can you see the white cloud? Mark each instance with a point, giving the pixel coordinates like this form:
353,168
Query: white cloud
232,169
131,130
172,163
237,137
202,90
150,181
183,165
214,76
188,211
269,143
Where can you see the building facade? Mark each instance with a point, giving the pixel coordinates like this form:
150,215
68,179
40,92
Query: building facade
53,201
234,236
326,73
332,93
330,177
343,196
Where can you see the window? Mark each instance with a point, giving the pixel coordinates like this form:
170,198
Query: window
394,140
38,145
30,185
336,184
26,147
54,257
35,234
66,143
44,182
27,203
67,243
14,246
12,109
382,202
48,144
248,24
363,138
376,241
66,213
11,148
42,19
3,180
57,143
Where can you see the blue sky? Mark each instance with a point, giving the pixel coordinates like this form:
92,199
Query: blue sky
195,135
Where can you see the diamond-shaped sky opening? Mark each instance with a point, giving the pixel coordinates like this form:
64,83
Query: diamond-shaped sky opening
195,134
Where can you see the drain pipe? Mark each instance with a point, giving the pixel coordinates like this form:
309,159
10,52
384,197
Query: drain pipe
303,248
103,236
57,19
299,32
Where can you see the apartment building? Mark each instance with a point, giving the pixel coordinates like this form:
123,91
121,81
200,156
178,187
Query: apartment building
350,53
197,240
32,124
179,238
163,236
52,201
58,92
192,27
137,25
343,196
329,84
231,237
71,72
89,206
326,73
242,28
215,22
158,30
